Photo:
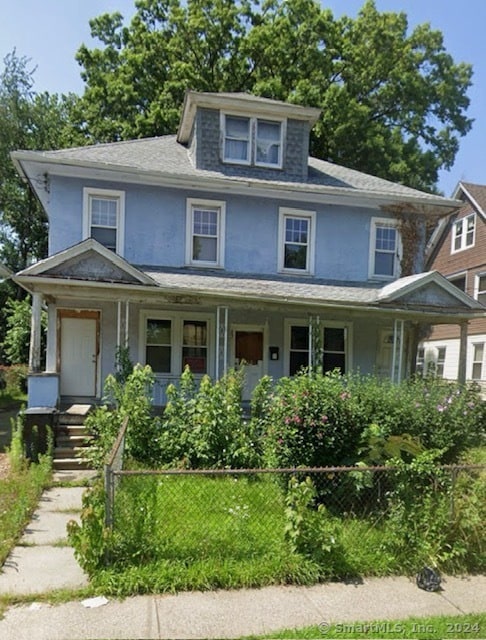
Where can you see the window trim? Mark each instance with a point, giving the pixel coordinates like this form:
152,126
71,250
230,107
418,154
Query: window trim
220,207
458,276
477,290
113,194
463,235
177,335
333,324
253,121
474,361
384,222
287,212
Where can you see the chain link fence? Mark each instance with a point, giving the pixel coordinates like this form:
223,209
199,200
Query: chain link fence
350,514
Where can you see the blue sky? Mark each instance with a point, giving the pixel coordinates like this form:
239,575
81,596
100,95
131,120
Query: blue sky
49,32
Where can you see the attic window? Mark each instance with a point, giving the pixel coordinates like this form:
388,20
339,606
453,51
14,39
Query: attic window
252,141
463,233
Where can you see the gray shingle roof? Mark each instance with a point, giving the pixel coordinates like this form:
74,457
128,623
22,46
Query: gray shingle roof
164,156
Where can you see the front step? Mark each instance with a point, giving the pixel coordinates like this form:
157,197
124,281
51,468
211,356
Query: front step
71,438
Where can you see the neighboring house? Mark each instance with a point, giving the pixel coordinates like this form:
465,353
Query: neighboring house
222,245
458,250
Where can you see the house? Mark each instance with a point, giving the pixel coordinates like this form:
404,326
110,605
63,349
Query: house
457,251
227,244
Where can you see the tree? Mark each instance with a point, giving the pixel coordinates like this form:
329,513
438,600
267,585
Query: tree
27,121
393,103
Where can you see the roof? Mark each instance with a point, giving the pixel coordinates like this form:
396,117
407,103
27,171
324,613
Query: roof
164,158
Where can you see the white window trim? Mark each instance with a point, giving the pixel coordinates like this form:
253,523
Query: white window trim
88,192
177,326
285,212
463,246
220,205
380,222
300,322
253,120
480,362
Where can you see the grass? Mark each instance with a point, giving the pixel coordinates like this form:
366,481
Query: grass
427,628
19,496
185,532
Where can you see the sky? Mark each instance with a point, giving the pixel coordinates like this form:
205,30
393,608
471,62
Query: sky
49,32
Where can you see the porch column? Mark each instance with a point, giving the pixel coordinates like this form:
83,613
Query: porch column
35,334
221,342
398,348
461,373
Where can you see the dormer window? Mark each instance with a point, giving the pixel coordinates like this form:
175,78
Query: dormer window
252,141
463,232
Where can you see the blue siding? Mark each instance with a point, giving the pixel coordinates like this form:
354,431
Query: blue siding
155,229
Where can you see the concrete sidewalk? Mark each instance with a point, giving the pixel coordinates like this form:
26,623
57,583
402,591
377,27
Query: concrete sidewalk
43,562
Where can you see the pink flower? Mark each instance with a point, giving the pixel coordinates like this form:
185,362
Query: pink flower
324,419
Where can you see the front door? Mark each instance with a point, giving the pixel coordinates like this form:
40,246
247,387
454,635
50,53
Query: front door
78,352
249,353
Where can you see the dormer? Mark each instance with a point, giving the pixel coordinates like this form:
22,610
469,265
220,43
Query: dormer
243,135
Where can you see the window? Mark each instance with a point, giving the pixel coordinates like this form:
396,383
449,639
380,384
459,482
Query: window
334,341
195,345
480,288
158,351
103,217
205,240
477,364
385,249
463,232
459,281
171,343
252,141
420,362
297,240
441,356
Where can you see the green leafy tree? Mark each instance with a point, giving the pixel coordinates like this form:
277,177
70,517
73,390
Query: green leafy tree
17,336
393,101
28,120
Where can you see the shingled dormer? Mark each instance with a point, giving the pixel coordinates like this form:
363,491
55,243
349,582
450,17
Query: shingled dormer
238,134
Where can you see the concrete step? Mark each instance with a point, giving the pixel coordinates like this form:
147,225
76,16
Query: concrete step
68,464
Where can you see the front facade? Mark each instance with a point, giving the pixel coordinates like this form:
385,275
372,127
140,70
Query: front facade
227,246
457,251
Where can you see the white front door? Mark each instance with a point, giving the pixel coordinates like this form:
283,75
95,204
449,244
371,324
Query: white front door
249,353
78,354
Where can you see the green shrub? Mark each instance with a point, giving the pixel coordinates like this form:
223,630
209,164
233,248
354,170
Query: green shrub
312,420
203,424
131,398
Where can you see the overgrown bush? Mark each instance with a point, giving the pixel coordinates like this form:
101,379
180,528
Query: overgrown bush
326,420
203,424
131,398
13,379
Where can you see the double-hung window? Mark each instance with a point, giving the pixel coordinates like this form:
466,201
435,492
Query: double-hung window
103,217
296,241
333,342
252,141
463,233
171,342
477,362
385,249
205,233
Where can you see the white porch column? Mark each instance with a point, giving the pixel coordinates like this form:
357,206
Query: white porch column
35,334
398,349
221,360
461,372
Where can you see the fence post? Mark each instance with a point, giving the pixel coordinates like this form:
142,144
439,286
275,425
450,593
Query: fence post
109,496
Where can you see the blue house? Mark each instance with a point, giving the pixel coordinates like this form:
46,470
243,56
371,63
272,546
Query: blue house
227,244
